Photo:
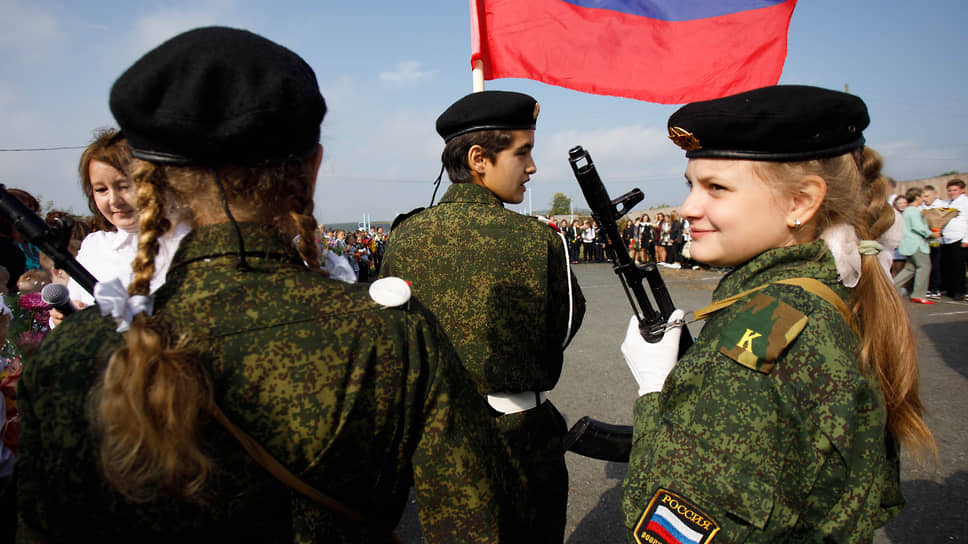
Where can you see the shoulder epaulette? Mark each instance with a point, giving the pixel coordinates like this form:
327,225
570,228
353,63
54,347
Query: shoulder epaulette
400,218
760,331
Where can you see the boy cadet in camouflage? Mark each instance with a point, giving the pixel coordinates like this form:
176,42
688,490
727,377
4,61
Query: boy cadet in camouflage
500,286
782,423
122,437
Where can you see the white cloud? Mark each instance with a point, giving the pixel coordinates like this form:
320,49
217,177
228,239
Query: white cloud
381,164
626,157
151,30
407,74
627,153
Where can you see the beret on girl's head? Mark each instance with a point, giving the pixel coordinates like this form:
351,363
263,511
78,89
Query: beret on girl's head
219,95
777,123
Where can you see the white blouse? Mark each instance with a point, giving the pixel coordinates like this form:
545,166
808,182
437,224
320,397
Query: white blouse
108,255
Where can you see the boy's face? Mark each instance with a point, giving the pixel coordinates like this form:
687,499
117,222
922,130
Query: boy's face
506,175
954,191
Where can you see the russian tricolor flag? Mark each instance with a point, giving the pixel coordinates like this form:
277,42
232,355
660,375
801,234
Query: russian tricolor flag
666,51
667,526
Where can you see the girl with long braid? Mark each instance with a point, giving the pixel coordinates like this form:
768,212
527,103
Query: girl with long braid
240,403
784,420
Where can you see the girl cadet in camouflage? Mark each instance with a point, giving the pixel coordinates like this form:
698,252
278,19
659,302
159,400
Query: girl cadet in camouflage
124,437
782,423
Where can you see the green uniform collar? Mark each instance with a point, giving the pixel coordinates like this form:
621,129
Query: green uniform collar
812,260
212,241
469,192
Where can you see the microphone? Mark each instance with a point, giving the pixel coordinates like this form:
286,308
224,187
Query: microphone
57,296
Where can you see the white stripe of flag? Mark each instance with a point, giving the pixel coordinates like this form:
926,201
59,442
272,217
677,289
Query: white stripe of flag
673,520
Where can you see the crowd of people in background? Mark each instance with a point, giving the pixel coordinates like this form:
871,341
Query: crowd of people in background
930,261
664,241
359,252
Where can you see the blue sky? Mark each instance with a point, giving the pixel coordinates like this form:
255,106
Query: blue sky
388,68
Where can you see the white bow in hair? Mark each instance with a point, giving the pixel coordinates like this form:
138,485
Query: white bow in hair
112,298
843,244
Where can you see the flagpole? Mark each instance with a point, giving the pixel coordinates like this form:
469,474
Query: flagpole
477,60
478,74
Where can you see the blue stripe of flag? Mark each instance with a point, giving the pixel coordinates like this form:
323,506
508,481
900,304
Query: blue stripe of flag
676,10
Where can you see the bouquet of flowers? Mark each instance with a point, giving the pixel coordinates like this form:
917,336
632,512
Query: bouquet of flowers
937,218
28,324
23,325
337,246
10,370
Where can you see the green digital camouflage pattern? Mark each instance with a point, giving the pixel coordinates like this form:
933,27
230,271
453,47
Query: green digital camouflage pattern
496,281
360,402
498,284
789,446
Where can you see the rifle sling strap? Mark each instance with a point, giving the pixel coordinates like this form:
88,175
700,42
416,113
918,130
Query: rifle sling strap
280,472
808,284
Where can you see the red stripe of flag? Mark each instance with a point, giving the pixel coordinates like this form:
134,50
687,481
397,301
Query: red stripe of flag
661,531
602,51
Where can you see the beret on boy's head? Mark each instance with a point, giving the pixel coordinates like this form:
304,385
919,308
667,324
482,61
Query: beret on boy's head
488,110
778,123
219,95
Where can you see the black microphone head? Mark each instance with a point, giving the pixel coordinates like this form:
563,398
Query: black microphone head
55,294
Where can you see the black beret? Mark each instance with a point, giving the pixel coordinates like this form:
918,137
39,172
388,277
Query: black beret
778,123
488,110
219,95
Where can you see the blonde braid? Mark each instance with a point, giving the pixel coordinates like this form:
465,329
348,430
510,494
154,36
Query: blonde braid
153,225
155,395
889,344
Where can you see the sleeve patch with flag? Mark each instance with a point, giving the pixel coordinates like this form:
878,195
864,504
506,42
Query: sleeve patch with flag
671,519
761,330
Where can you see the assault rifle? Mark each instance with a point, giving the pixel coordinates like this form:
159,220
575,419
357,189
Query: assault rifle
52,240
589,437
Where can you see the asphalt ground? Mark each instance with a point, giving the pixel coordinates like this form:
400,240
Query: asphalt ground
595,382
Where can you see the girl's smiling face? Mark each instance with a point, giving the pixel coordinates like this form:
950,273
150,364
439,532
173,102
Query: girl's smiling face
114,196
734,214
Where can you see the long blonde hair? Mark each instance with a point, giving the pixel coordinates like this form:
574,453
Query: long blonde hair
156,393
857,194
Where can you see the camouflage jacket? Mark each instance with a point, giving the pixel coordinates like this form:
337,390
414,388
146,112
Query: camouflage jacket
766,430
357,400
498,283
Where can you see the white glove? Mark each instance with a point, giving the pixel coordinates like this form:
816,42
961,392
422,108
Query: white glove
651,363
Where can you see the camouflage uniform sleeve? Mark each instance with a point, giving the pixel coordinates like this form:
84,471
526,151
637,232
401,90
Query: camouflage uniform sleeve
461,477
646,414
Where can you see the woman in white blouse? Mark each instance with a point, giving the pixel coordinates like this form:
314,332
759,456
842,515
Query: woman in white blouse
107,253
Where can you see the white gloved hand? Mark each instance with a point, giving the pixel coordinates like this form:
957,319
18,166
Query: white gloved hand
651,363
